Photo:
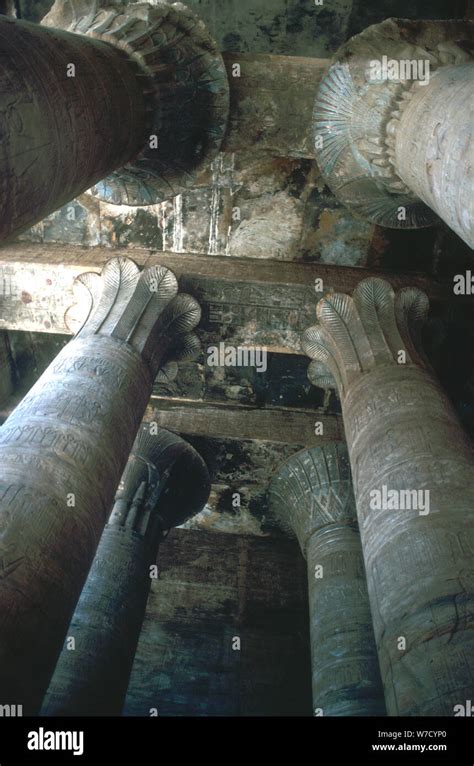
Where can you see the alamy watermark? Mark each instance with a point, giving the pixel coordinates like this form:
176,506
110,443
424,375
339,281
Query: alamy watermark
466,710
42,739
237,356
399,70
463,283
386,499
11,711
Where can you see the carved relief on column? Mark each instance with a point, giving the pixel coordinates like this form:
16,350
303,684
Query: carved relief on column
433,161
187,91
359,104
311,496
72,110
165,481
62,451
413,472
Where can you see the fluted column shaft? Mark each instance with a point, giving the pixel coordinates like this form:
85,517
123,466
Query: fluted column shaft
413,471
62,452
73,110
312,497
91,678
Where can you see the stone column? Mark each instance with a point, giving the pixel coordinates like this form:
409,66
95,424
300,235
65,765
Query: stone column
311,496
165,481
129,100
413,472
62,452
7,7
393,124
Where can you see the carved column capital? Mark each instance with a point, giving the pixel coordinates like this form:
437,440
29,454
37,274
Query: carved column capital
375,328
312,490
140,310
413,474
358,110
171,477
164,482
311,496
187,93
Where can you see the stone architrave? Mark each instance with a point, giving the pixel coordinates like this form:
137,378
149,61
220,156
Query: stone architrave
311,496
413,473
62,452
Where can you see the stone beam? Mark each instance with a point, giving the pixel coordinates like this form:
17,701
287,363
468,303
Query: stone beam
271,103
284,426
246,302
223,420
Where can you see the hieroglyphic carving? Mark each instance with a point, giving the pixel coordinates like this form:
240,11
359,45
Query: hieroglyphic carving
433,161
312,497
404,435
126,101
62,451
185,82
62,131
164,482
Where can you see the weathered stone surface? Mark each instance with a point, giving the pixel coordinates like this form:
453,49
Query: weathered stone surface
434,162
236,194
186,89
7,379
7,8
372,151
212,589
243,304
62,452
271,99
311,495
405,439
62,133
164,482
